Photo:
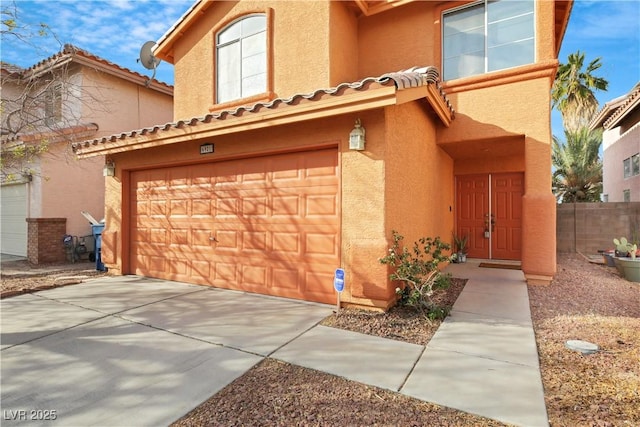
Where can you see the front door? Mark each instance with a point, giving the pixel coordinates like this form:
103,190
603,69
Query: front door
489,211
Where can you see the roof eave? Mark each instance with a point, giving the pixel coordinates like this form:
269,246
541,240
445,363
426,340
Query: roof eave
622,113
164,46
368,8
563,12
310,110
72,55
370,93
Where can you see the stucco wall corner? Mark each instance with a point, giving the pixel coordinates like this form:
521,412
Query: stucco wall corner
369,278
539,238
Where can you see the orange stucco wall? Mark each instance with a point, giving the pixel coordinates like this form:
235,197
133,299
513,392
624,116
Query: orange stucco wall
299,64
507,128
343,45
419,174
385,46
404,180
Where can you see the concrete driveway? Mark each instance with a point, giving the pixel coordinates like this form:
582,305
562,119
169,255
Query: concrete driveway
134,351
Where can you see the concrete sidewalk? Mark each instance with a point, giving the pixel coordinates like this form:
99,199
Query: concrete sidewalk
483,359
117,349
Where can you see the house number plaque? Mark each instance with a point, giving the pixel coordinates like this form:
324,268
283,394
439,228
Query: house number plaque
206,149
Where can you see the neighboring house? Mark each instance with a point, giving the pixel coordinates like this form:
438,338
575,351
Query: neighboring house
620,119
69,97
261,184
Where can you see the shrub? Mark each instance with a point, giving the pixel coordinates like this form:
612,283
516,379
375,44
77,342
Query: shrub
419,272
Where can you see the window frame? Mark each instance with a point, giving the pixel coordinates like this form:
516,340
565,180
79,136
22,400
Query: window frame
631,166
267,94
486,36
53,104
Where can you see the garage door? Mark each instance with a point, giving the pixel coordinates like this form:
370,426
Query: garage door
267,225
13,233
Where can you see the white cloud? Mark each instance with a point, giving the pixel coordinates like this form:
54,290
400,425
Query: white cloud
613,19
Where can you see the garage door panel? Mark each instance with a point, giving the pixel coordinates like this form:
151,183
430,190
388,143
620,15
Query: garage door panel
285,279
316,284
13,215
286,242
322,205
254,241
267,224
227,207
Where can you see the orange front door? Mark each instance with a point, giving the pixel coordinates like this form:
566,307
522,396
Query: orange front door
267,224
489,211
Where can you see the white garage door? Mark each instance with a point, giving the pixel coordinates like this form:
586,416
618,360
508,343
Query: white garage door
13,231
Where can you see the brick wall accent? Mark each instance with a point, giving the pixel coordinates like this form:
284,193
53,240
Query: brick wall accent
590,227
44,244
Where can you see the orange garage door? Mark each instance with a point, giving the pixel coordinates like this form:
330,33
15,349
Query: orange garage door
267,224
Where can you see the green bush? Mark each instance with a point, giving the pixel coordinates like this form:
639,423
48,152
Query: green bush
419,272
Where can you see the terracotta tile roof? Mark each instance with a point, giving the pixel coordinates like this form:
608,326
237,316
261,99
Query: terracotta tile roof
64,134
71,52
10,68
615,110
411,78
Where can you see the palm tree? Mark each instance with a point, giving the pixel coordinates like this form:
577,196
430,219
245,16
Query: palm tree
572,91
578,168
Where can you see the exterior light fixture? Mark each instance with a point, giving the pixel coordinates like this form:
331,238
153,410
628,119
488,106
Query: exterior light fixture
109,169
356,137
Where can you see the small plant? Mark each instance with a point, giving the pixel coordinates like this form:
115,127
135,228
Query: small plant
625,248
460,243
418,269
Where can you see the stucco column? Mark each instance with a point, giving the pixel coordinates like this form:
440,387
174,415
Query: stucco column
363,216
539,215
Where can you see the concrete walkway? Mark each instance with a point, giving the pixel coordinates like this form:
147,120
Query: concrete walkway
129,350
483,357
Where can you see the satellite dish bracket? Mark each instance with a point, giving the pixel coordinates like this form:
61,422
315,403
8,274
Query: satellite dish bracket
148,60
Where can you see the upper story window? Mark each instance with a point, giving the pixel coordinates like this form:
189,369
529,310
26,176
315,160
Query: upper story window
487,36
53,104
631,166
241,59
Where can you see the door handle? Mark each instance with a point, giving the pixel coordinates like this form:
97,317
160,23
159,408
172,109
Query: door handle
489,222
213,239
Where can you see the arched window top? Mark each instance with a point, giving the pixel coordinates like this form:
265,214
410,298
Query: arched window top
241,59
244,27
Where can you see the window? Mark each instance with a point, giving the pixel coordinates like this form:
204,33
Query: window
53,104
626,195
241,59
631,166
488,36
627,167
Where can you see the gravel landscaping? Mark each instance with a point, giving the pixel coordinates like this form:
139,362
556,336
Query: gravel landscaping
585,302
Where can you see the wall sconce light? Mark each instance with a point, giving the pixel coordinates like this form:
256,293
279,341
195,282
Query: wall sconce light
356,137
109,169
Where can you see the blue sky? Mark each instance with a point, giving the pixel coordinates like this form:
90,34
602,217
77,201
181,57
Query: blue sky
116,29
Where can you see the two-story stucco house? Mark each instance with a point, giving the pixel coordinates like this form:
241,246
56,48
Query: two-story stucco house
262,182
620,120
68,97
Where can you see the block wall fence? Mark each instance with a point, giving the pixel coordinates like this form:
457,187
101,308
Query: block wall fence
590,227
